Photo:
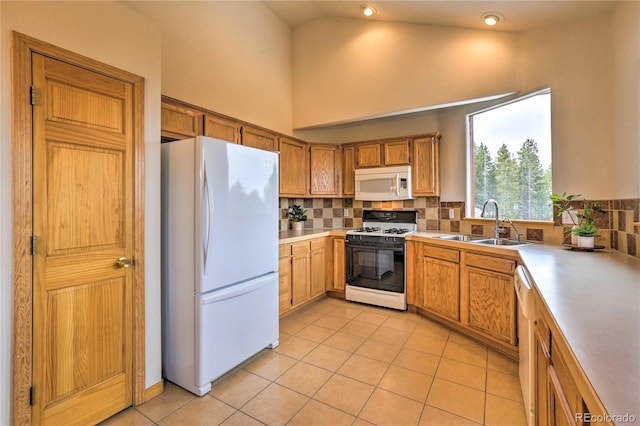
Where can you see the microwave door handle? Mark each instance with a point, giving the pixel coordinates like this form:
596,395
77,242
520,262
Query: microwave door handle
398,184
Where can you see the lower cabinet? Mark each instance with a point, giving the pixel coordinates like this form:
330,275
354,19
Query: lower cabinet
339,265
441,281
304,272
491,307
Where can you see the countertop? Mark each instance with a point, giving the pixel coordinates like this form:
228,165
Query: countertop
594,298
288,236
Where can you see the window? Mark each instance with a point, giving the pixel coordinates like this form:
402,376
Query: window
510,158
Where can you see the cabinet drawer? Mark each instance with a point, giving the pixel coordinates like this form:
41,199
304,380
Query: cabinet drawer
284,250
300,248
441,253
491,263
319,243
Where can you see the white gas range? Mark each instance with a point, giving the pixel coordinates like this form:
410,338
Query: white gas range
375,258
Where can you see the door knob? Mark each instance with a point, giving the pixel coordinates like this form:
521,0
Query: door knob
123,262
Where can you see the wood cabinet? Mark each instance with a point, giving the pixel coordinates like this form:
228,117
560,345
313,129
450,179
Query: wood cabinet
368,155
425,166
348,171
293,167
441,281
392,152
221,128
258,138
339,265
325,165
284,267
305,268
491,296
397,152
180,122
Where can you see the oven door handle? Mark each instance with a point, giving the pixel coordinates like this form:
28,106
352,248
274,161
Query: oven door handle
376,246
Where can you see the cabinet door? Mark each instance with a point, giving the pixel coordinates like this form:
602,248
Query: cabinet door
318,267
492,303
348,173
542,362
441,281
339,277
258,138
325,170
293,168
284,266
424,169
368,155
396,152
221,128
300,273
179,122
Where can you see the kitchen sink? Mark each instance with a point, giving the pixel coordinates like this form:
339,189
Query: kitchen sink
462,237
499,242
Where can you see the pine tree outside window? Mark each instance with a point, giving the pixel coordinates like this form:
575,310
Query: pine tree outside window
510,158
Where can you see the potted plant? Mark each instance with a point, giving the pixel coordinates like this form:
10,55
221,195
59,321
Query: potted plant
296,215
563,204
584,229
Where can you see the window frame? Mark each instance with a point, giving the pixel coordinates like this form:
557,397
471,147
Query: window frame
470,183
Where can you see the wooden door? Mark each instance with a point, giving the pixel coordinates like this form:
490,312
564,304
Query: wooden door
396,153
257,138
318,266
221,128
348,173
426,181
293,168
325,170
441,287
83,221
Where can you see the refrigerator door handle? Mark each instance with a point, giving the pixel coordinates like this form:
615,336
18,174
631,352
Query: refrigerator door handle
237,290
208,207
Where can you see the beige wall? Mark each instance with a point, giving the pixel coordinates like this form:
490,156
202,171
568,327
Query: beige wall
111,33
626,99
230,57
348,69
595,106
575,61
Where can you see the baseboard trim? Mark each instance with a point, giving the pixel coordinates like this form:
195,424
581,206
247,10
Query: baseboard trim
153,390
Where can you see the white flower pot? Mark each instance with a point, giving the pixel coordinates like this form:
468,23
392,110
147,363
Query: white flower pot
586,242
296,226
574,238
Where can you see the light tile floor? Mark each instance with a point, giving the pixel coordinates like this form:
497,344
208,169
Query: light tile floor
342,363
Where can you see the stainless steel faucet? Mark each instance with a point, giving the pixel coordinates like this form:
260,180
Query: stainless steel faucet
498,229
515,230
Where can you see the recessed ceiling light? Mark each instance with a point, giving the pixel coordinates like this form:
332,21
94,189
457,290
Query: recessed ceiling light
492,18
368,10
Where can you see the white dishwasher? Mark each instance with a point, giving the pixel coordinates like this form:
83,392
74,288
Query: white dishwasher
526,342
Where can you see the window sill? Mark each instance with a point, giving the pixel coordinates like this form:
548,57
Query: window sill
535,224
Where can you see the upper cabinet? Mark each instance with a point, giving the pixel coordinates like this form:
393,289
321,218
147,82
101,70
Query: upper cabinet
392,152
258,138
221,128
325,165
293,168
180,122
424,165
368,155
348,171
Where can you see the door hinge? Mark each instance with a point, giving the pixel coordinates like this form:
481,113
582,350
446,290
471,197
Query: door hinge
32,393
517,341
32,92
34,245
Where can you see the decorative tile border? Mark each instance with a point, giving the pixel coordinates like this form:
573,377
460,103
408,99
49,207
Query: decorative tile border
617,230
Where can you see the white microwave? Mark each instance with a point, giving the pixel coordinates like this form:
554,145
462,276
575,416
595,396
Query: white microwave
383,184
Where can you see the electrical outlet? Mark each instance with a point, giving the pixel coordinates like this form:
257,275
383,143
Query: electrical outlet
567,218
451,214
346,212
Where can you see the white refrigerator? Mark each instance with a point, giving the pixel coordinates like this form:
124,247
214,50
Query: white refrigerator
219,258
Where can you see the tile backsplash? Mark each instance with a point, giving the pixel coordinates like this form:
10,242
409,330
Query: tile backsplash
616,225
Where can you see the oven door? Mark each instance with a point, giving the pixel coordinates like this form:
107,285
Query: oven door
378,266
